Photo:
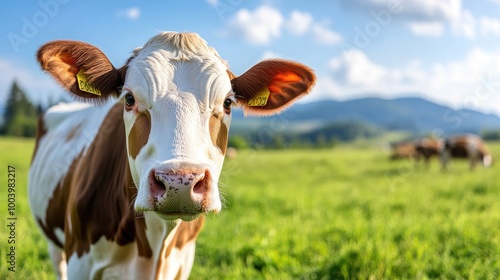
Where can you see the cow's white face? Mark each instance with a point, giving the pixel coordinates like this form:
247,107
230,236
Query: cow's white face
177,115
177,95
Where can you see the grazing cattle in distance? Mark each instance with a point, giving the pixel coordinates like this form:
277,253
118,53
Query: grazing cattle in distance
467,146
403,150
120,189
425,148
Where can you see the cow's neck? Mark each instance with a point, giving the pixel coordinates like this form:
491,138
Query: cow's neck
173,243
159,231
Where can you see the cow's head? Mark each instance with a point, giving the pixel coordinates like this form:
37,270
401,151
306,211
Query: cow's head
177,95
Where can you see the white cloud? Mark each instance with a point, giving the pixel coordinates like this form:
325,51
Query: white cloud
471,82
299,22
425,15
464,25
266,23
132,13
325,35
489,26
355,69
257,27
430,29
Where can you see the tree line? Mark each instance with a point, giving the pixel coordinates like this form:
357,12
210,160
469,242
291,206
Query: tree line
20,114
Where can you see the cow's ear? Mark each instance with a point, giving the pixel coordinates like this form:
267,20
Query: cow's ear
271,86
82,69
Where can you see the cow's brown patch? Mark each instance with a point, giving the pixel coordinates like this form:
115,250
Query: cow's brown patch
218,132
96,195
459,152
41,130
458,148
186,232
139,134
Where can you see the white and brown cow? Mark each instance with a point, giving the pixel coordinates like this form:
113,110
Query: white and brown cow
467,146
425,148
120,189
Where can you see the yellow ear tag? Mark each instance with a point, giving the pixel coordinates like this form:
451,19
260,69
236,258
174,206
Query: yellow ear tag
84,85
260,99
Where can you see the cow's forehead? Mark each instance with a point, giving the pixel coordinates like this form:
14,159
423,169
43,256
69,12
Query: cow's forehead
155,78
166,66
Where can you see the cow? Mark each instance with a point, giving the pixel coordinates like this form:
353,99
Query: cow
428,148
466,146
403,150
425,148
119,184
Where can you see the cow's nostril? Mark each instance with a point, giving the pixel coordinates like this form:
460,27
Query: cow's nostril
160,183
201,186
157,186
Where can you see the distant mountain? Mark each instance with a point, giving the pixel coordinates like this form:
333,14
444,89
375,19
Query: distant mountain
411,114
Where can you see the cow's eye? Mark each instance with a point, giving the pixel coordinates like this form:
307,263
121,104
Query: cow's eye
227,105
129,100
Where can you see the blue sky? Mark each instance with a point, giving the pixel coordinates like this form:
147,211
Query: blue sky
447,51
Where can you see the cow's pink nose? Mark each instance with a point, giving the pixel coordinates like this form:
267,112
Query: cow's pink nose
179,190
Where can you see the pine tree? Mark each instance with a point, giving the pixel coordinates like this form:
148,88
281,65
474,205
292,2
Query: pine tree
20,114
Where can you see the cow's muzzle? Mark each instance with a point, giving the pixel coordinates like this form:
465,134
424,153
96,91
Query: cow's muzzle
184,191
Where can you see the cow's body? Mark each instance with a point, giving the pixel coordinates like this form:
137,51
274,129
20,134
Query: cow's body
120,190
466,146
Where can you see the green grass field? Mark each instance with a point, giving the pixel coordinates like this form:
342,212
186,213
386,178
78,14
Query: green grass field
345,213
